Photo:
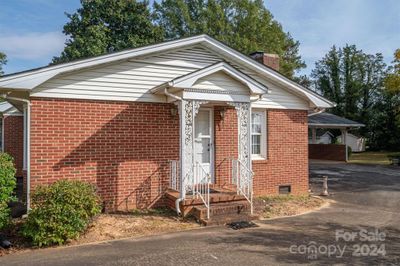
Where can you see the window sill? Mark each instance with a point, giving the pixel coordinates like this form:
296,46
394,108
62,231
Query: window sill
259,159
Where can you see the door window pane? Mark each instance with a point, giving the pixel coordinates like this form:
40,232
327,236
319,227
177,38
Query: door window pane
202,153
202,124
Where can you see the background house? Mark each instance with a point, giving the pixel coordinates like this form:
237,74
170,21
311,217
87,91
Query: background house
322,137
356,143
321,122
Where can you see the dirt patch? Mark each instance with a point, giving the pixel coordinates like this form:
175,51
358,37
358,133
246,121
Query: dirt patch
109,227
12,233
115,226
287,205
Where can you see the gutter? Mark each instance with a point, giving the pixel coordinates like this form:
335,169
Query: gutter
28,147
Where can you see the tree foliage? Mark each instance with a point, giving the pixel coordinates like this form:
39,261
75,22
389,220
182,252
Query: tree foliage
355,81
3,61
245,25
392,81
104,26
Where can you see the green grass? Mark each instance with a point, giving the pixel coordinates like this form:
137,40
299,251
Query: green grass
373,157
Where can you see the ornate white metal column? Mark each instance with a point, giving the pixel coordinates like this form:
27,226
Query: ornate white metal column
187,111
244,137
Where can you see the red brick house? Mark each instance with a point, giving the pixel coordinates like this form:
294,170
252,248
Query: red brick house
190,116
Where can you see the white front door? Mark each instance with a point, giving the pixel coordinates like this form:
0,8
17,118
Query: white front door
203,142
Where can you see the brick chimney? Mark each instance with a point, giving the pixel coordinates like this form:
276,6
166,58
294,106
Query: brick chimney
271,60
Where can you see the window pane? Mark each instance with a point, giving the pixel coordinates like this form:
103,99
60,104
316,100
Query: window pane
256,144
256,123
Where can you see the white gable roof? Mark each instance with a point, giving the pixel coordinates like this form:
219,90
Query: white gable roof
187,81
31,79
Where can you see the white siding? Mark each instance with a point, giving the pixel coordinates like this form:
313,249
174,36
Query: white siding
220,81
131,80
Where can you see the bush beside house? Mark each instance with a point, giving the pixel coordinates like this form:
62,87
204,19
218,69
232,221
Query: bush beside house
60,211
8,183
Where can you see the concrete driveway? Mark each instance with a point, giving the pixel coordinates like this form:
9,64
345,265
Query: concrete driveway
367,198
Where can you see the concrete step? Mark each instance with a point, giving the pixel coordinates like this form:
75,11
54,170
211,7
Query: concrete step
222,213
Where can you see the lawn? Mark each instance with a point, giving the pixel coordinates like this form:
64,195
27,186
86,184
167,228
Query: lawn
373,157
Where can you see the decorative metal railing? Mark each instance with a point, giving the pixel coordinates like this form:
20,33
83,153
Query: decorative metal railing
242,178
198,184
201,185
174,175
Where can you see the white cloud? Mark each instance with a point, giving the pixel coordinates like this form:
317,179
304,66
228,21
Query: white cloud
31,46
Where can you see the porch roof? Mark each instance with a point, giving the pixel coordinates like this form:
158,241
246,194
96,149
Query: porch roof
328,120
4,107
187,81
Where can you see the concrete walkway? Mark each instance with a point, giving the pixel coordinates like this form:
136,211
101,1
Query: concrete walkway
367,198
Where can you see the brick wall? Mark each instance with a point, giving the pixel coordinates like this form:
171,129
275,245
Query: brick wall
14,140
226,143
122,148
333,152
287,149
287,154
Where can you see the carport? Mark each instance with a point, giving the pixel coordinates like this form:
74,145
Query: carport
334,152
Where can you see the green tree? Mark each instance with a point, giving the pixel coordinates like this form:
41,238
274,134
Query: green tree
104,26
245,25
354,81
392,81
350,78
3,61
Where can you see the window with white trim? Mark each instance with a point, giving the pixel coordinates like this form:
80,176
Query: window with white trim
258,135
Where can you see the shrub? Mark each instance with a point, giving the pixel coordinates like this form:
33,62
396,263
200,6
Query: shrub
8,183
60,211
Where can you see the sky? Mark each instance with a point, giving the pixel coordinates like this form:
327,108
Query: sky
31,30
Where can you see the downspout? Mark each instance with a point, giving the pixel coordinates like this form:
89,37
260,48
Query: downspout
180,199
28,147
